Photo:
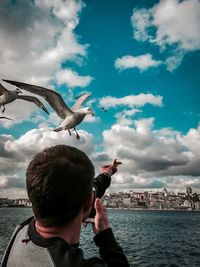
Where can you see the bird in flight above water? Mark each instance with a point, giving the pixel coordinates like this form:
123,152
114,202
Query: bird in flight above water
71,116
8,96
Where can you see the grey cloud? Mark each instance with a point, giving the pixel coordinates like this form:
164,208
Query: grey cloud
190,168
9,165
11,182
149,162
18,21
101,157
165,153
155,164
3,139
150,184
15,154
9,160
13,18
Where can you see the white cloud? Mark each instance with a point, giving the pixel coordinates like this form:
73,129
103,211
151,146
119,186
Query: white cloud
191,141
36,38
36,139
172,62
65,10
178,22
170,23
150,158
91,119
15,154
72,78
41,42
155,156
123,117
131,100
142,62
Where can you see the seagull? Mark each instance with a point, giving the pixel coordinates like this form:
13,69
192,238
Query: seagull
2,117
71,116
8,96
105,110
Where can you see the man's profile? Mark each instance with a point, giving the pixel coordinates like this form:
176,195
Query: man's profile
59,184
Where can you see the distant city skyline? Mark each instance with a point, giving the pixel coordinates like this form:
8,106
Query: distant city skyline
160,200
139,59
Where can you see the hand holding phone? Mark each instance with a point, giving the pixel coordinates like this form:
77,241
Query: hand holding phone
99,192
101,218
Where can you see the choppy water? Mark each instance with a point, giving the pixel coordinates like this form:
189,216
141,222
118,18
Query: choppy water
149,238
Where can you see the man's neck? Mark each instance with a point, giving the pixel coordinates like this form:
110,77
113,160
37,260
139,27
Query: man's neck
70,233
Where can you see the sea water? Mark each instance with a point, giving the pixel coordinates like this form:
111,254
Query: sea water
148,238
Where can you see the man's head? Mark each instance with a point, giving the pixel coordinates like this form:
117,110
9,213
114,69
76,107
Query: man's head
59,183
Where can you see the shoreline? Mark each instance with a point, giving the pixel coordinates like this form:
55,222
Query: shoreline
139,209
120,208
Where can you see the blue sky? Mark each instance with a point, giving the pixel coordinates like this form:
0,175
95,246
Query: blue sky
139,59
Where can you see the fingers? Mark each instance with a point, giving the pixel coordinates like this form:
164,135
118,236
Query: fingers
112,168
116,163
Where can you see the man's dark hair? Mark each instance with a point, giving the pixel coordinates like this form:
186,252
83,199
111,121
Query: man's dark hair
59,182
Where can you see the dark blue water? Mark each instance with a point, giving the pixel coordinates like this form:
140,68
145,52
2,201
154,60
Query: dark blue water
149,238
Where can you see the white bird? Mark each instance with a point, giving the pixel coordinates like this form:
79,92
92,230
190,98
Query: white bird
71,117
8,96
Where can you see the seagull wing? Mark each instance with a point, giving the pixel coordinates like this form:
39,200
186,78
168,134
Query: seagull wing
34,100
3,90
54,99
6,118
80,101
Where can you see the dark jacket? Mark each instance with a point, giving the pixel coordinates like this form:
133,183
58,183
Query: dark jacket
28,249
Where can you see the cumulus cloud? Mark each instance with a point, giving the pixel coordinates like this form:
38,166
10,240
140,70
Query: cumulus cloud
191,141
123,117
123,120
150,158
36,139
72,79
142,62
15,154
131,100
170,23
11,182
153,156
37,37
42,41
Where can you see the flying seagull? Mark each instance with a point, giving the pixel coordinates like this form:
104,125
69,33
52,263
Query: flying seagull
71,117
8,96
105,110
2,117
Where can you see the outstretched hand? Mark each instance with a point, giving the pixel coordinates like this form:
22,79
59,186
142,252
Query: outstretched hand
111,169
